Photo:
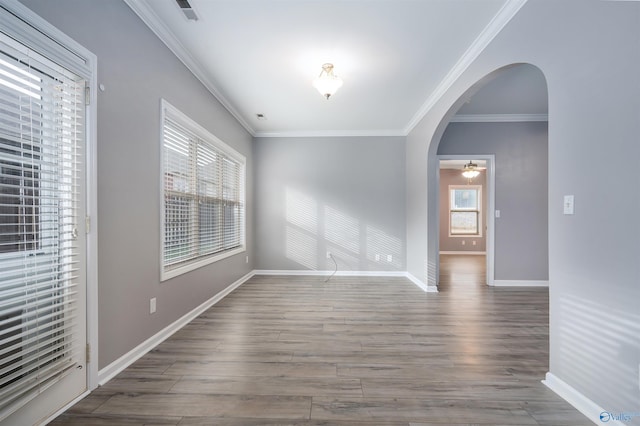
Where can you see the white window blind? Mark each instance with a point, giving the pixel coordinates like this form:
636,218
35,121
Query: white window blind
203,185
41,142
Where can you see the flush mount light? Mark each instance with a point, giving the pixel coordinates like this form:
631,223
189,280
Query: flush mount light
327,82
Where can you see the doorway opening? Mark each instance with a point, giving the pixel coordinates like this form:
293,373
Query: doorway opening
466,221
503,117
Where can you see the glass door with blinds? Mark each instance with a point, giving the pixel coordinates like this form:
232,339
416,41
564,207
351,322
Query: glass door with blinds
42,235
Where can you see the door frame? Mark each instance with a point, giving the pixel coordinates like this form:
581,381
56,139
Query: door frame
488,210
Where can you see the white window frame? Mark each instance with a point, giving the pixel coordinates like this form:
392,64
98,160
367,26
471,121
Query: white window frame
168,111
478,211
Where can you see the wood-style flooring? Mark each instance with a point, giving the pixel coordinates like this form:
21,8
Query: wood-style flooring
351,351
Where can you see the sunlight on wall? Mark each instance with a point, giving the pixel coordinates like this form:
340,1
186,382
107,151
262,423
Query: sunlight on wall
301,211
341,229
431,272
301,248
598,345
380,244
313,228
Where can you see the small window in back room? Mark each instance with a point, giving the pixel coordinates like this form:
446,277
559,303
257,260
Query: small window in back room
464,210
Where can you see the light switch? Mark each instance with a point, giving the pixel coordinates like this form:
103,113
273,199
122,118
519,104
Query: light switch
568,204
497,214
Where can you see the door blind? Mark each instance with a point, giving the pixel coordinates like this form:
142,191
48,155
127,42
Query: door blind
41,142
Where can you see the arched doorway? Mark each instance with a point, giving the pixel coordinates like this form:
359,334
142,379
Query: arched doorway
502,118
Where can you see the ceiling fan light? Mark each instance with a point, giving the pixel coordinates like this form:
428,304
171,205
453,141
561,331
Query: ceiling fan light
470,170
327,82
470,174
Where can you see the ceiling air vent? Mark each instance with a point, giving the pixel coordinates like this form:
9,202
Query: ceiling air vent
187,10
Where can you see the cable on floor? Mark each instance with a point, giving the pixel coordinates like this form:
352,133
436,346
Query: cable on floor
336,270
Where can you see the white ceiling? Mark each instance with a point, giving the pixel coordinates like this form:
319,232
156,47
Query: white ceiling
395,57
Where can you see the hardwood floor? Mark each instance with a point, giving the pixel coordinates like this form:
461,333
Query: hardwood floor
352,351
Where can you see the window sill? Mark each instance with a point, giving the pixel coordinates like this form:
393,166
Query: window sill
166,275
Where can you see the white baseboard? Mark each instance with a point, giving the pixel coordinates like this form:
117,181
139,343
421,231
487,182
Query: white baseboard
578,400
520,283
111,370
426,288
423,286
474,253
306,272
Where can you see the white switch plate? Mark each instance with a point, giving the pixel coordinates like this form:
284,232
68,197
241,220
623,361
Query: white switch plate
497,214
152,305
568,204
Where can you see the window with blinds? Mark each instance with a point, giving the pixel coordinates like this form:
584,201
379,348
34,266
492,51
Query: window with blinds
203,196
41,148
464,210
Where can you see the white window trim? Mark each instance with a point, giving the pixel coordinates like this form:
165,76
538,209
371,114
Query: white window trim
480,216
168,110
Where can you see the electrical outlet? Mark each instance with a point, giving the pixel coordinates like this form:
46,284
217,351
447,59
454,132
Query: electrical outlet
463,242
473,242
152,305
389,258
328,255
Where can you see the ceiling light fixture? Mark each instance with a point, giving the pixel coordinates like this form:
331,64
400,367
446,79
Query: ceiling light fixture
327,82
470,170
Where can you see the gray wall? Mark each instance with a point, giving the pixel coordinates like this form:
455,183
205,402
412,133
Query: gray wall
137,70
521,193
588,52
343,195
467,242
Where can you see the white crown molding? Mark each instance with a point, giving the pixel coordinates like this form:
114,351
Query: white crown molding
330,134
499,21
149,17
498,118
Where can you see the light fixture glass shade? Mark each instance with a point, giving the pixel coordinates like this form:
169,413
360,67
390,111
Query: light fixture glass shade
327,82
470,170
470,174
